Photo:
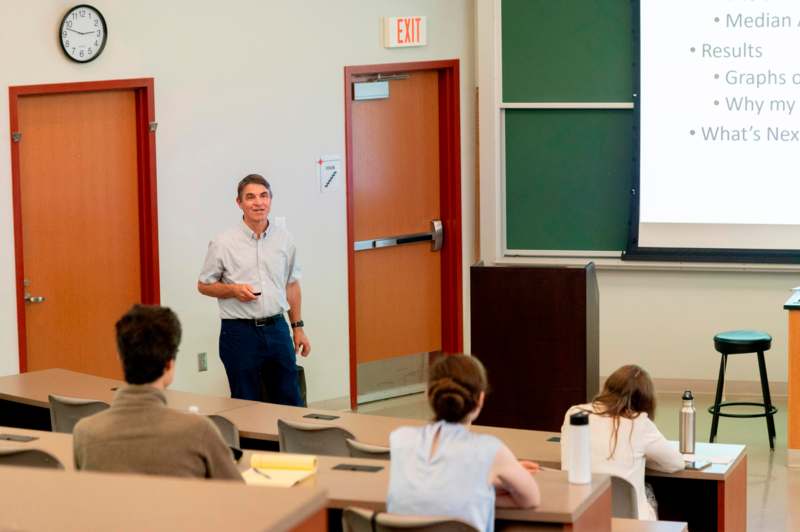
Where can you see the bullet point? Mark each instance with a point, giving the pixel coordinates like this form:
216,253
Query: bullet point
716,102
691,132
691,49
716,19
716,76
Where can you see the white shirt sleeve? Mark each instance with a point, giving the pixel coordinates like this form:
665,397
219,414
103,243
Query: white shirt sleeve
295,273
660,454
212,266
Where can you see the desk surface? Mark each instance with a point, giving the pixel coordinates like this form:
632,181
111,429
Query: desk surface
562,502
70,500
32,388
709,451
260,421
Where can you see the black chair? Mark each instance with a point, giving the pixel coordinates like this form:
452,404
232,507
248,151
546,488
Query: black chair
735,343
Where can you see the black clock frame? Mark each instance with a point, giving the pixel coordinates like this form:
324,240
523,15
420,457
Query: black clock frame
105,33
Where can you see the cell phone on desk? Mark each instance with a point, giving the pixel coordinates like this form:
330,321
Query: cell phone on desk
696,465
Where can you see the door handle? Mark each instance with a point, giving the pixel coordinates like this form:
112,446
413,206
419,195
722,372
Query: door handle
34,299
435,236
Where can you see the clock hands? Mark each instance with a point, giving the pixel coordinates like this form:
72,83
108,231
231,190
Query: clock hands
81,32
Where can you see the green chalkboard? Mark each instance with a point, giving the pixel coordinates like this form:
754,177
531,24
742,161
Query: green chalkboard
567,50
568,179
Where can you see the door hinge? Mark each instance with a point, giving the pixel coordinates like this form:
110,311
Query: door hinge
16,136
153,127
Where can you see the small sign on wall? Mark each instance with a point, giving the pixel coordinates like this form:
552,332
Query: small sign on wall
329,172
399,32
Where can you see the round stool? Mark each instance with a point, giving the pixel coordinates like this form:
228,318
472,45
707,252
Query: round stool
735,343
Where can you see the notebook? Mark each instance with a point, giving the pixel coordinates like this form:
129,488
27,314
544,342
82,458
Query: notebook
279,469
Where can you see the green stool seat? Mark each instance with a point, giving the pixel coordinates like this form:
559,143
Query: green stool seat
736,343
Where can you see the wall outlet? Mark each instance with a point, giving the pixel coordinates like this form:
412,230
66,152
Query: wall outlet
202,362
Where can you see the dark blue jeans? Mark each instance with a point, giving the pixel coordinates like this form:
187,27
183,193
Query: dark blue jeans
255,355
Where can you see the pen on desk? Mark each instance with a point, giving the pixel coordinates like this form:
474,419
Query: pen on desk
257,470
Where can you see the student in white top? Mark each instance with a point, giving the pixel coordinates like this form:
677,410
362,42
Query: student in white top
445,469
623,435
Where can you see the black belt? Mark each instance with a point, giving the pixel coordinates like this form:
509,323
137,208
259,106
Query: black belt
258,322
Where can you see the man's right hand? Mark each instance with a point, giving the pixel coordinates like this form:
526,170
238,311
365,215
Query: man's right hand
243,292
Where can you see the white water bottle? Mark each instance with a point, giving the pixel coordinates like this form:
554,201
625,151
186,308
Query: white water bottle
580,455
687,424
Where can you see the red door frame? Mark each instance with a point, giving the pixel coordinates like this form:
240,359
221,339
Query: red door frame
146,158
450,199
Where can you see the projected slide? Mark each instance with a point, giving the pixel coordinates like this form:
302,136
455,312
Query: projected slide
720,124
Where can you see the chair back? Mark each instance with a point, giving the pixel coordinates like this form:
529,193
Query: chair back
230,434
312,439
362,520
65,412
357,520
29,458
624,502
365,450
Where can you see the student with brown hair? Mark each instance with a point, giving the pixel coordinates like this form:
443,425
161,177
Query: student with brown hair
445,469
139,433
623,434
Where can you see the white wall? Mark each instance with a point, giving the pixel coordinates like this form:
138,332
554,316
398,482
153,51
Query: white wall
663,317
241,86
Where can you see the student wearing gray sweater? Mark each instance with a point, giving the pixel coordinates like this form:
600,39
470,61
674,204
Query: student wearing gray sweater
139,433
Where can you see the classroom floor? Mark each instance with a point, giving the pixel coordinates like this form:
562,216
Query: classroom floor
772,489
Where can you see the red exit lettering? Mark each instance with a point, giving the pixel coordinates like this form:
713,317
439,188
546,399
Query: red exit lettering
408,30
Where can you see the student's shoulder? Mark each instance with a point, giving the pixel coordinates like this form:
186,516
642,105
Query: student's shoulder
404,434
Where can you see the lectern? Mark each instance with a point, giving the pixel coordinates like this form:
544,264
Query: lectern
536,330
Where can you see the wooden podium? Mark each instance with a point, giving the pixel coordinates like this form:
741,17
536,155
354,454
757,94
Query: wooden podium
793,401
536,330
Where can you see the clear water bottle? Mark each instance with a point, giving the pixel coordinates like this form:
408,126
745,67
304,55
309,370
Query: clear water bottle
580,453
687,423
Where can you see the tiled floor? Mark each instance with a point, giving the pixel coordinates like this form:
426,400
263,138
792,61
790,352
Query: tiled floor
772,489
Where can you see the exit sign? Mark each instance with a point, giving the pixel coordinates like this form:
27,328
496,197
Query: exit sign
400,32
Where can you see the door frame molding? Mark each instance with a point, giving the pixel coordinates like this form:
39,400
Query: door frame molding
450,199
143,89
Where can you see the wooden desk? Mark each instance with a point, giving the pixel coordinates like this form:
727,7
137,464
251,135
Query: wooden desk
714,498
24,396
55,443
37,499
564,505
259,421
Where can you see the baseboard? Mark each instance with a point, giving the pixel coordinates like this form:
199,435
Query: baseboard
709,386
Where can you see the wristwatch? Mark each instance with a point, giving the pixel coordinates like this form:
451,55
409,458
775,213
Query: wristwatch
296,324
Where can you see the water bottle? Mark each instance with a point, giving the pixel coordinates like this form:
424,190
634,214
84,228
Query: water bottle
687,424
580,457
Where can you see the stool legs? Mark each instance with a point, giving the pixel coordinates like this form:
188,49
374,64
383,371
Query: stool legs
762,369
718,397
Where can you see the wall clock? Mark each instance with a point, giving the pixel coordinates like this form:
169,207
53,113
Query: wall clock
83,33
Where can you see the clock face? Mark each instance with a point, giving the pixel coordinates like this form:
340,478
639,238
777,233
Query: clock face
83,33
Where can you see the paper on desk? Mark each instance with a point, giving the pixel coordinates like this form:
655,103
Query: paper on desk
279,469
713,459
278,478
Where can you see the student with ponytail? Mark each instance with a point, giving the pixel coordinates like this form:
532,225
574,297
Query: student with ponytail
445,469
623,434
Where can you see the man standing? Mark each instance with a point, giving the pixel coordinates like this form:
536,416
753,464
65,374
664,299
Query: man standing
139,433
252,271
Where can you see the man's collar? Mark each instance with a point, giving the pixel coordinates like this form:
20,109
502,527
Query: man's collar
250,233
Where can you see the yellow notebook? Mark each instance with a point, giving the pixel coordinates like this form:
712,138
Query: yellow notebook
279,469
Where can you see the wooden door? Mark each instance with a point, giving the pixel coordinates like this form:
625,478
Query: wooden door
403,172
79,211
396,192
